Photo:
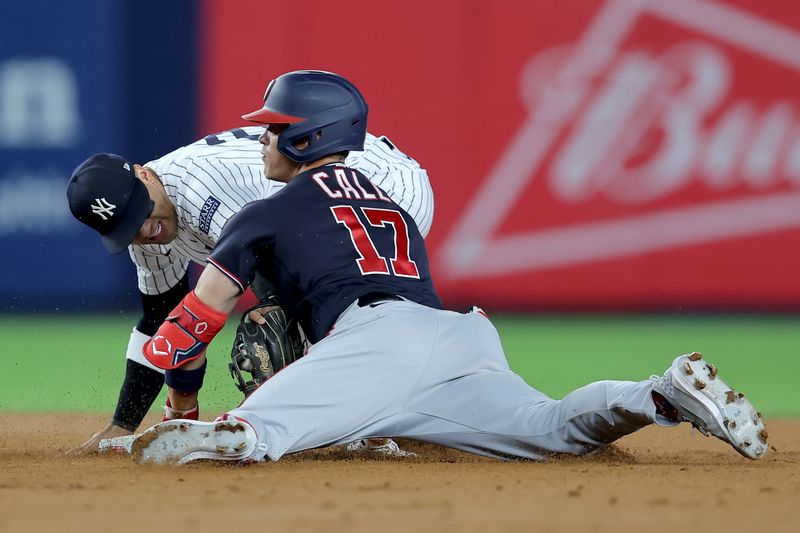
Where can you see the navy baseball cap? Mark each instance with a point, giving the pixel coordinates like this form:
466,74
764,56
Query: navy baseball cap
105,194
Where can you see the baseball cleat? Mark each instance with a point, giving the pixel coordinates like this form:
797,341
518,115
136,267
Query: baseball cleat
121,445
701,398
389,448
182,441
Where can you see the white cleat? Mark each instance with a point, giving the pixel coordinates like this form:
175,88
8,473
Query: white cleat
121,445
182,441
692,386
389,448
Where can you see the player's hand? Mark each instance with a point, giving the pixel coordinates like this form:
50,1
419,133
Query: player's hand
91,445
257,315
266,342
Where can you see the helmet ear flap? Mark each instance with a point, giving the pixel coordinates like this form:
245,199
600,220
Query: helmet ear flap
326,134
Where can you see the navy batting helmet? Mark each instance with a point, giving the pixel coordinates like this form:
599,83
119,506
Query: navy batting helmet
320,107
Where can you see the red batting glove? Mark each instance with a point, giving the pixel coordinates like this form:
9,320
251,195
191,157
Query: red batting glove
185,334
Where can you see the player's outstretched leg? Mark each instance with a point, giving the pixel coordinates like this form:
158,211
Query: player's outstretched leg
691,385
182,441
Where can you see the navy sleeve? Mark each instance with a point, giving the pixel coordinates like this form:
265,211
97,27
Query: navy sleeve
156,307
246,241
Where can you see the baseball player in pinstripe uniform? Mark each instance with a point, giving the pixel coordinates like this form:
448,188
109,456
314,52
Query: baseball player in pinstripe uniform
172,210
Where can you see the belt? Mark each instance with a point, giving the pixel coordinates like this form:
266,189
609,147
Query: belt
374,297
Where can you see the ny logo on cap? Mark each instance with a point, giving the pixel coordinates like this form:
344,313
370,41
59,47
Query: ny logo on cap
103,208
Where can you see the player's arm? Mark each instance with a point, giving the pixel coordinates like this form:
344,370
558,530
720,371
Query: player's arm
143,381
180,343
163,280
217,290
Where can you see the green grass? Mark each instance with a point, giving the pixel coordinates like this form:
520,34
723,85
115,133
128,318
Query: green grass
76,363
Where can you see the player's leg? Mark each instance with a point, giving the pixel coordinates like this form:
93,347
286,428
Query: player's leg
490,410
470,399
431,375
351,385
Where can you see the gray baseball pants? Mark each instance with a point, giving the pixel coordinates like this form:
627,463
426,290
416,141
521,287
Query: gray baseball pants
399,369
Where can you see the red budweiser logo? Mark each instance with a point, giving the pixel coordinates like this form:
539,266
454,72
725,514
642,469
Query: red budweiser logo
651,139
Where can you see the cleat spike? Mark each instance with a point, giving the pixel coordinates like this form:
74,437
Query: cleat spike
763,435
688,369
228,425
699,384
712,370
730,397
695,356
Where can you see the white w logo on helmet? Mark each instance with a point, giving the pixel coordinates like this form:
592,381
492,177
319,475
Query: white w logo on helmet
103,208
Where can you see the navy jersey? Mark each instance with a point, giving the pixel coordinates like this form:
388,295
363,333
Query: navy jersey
327,238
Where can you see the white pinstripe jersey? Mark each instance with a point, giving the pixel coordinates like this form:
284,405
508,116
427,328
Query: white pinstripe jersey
211,179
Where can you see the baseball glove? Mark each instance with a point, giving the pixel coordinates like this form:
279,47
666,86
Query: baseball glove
263,349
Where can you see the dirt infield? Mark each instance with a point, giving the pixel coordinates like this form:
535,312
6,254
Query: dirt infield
657,480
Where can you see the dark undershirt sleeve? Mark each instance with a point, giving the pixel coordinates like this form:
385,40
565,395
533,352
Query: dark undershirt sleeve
142,384
156,307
